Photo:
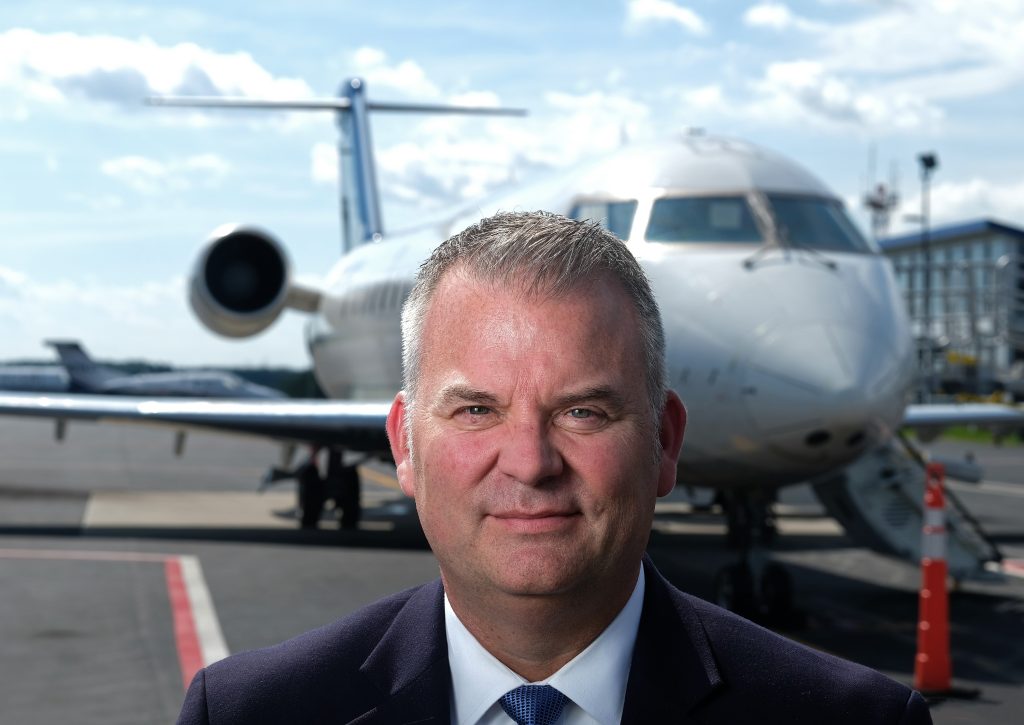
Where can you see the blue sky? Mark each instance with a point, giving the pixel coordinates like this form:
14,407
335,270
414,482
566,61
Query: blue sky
103,202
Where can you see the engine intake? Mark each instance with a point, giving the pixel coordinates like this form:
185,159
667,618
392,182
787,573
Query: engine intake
241,281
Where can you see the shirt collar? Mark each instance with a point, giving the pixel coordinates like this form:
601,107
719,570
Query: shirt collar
595,680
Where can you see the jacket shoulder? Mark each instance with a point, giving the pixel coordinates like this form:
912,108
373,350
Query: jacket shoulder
302,678
784,681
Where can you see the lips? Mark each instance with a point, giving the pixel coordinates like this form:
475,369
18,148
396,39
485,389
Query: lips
535,522
532,514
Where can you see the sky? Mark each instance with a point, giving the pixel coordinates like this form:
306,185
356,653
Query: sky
104,201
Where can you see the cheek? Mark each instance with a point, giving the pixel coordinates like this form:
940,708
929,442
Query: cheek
454,461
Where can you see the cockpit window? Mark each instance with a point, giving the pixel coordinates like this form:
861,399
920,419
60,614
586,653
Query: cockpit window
702,219
815,223
615,216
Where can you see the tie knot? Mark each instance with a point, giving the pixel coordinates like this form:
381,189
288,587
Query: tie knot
533,704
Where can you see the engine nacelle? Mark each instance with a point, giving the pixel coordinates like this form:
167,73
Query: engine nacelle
241,281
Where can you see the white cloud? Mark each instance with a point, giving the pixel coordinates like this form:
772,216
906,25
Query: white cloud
151,319
704,98
406,77
150,176
777,16
53,68
582,125
790,90
958,201
324,163
448,161
640,12
891,69
43,307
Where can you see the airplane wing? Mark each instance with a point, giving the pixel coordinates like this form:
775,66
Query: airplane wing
934,417
357,426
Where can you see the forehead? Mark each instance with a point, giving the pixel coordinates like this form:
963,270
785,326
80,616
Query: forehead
509,321
473,296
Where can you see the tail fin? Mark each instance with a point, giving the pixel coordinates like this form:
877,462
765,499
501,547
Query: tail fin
84,375
361,221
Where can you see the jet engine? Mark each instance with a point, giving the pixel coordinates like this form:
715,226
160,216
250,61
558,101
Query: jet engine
242,282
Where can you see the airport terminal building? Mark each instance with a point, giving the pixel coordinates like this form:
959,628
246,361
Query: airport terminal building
964,289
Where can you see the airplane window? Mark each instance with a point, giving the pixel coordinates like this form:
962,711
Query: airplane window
702,219
615,216
816,223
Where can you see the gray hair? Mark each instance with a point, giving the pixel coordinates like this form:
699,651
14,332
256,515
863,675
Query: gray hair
547,254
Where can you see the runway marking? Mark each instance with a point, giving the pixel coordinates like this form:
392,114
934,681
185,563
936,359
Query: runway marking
994,487
1013,567
197,633
1010,489
190,655
380,478
57,554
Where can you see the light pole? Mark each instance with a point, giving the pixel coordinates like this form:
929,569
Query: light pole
929,161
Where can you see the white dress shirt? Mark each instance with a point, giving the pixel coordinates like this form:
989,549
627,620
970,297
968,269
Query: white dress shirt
594,680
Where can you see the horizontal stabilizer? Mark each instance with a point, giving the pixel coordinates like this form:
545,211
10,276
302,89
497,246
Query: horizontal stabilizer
326,104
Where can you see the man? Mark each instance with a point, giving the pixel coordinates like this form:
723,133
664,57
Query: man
535,432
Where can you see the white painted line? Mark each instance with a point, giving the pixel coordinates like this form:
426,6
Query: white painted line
69,555
198,637
211,638
173,509
996,488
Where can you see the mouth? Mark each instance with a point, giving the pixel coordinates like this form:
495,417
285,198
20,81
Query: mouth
535,522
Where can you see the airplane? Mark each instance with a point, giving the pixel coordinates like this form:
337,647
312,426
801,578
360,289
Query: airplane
87,376
786,332
34,378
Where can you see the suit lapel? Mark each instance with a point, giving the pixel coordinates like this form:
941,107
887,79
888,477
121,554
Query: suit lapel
410,664
672,668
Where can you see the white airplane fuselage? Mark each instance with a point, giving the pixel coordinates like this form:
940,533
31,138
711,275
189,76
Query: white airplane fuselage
791,362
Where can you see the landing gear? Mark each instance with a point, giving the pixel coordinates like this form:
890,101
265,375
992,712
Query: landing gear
312,494
750,520
341,485
753,587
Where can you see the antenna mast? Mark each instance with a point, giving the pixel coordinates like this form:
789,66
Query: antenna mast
880,200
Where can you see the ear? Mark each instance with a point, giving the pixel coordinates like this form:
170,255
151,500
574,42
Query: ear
398,437
670,438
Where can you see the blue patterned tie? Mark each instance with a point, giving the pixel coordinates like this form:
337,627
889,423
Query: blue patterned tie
533,704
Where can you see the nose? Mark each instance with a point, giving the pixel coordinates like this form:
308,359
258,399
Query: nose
528,454
825,390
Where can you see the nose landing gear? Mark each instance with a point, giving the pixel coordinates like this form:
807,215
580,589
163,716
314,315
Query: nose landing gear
753,586
341,485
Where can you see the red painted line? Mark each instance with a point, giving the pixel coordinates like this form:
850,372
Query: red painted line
190,655
1014,566
186,635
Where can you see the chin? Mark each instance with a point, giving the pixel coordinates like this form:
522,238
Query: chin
540,574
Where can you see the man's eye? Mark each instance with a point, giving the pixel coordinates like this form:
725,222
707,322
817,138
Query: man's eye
476,410
584,419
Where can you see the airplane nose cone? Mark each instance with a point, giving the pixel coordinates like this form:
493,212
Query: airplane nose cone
818,391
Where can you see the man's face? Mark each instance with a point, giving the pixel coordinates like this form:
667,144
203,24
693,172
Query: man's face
536,458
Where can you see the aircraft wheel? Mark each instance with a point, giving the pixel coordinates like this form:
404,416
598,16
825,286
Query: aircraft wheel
734,589
311,497
348,498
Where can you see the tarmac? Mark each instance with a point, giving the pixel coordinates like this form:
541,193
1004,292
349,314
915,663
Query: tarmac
124,567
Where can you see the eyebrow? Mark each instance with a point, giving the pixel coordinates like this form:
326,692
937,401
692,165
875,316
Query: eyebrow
460,394
456,394
599,393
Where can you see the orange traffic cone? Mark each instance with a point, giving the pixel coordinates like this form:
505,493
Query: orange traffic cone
932,668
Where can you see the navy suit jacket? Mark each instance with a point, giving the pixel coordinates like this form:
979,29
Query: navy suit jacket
693,663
